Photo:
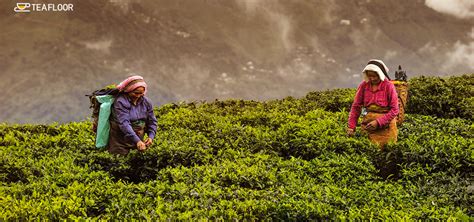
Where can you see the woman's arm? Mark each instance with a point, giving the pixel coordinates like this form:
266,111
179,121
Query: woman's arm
122,113
356,106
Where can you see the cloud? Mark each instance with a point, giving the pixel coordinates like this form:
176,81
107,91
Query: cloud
428,48
273,11
250,5
390,54
460,8
284,26
462,55
103,45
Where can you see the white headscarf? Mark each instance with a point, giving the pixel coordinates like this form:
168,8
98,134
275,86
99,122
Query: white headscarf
376,68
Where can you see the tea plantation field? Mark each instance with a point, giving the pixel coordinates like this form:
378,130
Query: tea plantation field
284,159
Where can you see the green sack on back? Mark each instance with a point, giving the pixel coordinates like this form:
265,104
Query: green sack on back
103,126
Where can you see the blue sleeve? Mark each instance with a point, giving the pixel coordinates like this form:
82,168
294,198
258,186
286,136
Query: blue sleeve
122,112
151,119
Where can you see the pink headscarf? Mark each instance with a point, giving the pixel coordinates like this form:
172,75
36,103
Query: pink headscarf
132,83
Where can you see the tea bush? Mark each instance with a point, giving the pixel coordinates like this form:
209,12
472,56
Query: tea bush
285,159
442,97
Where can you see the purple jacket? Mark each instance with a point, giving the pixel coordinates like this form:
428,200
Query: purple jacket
124,113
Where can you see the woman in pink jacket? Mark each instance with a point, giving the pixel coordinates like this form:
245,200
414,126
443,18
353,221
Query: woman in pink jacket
377,96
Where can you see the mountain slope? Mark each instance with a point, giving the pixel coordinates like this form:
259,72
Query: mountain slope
202,50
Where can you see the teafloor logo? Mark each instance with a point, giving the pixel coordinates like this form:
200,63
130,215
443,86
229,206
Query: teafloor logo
22,7
39,7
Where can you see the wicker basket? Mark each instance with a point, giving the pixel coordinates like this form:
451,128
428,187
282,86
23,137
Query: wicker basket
402,91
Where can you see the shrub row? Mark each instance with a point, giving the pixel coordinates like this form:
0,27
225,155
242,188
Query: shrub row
255,165
286,159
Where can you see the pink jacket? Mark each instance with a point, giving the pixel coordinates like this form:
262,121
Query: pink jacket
384,96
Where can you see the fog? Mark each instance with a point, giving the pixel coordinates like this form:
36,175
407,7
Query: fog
212,49
460,8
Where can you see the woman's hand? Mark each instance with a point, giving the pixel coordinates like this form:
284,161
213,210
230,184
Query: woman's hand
350,132
373,125
148,141
141,146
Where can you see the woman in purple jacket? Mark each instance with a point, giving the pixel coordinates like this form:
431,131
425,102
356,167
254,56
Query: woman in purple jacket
132,117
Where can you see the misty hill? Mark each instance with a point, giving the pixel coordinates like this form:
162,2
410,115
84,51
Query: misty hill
203,50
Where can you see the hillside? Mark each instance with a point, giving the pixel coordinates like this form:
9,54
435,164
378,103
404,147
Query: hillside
207,49
285,159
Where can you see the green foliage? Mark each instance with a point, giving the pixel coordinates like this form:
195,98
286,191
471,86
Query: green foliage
285,159
334,100
442,97
435,96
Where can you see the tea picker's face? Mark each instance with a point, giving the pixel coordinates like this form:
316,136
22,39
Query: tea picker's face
137,93
373,77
